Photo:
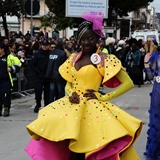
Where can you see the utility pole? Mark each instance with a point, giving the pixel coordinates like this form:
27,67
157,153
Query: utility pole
31,19
32,8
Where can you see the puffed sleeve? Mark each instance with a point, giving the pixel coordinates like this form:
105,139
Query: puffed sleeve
110,67
66,68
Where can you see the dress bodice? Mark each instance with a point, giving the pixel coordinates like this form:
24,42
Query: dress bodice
87,77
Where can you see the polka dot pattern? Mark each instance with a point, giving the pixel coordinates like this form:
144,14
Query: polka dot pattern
111,67
91,124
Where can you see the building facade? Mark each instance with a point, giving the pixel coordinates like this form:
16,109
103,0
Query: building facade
144,18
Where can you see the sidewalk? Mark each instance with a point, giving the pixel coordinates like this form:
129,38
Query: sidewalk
28,100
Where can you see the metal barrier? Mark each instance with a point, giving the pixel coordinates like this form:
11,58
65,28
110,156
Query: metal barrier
23,84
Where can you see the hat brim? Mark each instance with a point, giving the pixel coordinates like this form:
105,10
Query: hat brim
45,44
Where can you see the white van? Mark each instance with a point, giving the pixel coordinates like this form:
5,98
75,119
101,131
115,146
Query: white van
145,34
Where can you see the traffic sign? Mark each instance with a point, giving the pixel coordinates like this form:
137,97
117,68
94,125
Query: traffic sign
36,7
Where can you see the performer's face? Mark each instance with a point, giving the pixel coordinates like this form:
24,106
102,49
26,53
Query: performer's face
89,41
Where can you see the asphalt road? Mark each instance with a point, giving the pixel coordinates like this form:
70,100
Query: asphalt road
14,137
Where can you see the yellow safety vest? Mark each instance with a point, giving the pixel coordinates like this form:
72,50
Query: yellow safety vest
12,61
104,50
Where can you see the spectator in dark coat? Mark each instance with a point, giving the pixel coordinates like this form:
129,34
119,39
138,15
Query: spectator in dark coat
120,52
39,65
57,84
110,41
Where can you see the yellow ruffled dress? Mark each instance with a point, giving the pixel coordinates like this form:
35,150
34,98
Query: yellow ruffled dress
92,126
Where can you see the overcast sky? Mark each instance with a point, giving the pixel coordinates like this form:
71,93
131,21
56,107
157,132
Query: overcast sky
156,4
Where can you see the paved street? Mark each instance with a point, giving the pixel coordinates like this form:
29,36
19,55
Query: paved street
14,137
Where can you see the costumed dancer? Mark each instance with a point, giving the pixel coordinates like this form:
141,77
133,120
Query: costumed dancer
84,124
153,139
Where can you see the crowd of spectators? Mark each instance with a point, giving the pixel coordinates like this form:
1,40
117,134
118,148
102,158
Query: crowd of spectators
30,53
21,42
131,52
134,55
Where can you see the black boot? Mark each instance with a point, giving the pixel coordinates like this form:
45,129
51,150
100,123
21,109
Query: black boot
6,112
36,108
139,84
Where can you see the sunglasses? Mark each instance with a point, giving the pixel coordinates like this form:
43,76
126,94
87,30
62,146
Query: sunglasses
53,47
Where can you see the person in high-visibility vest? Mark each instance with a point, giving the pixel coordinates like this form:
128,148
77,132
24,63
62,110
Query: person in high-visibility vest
9,64
101,44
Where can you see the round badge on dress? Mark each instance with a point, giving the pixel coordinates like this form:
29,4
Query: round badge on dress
158,79
95,58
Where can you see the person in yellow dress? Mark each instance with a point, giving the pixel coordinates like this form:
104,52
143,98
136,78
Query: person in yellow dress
84,125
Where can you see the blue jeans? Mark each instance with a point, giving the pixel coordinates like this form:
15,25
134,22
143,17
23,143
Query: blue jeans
56,91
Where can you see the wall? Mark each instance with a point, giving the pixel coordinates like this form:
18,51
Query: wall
26,21
13,24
